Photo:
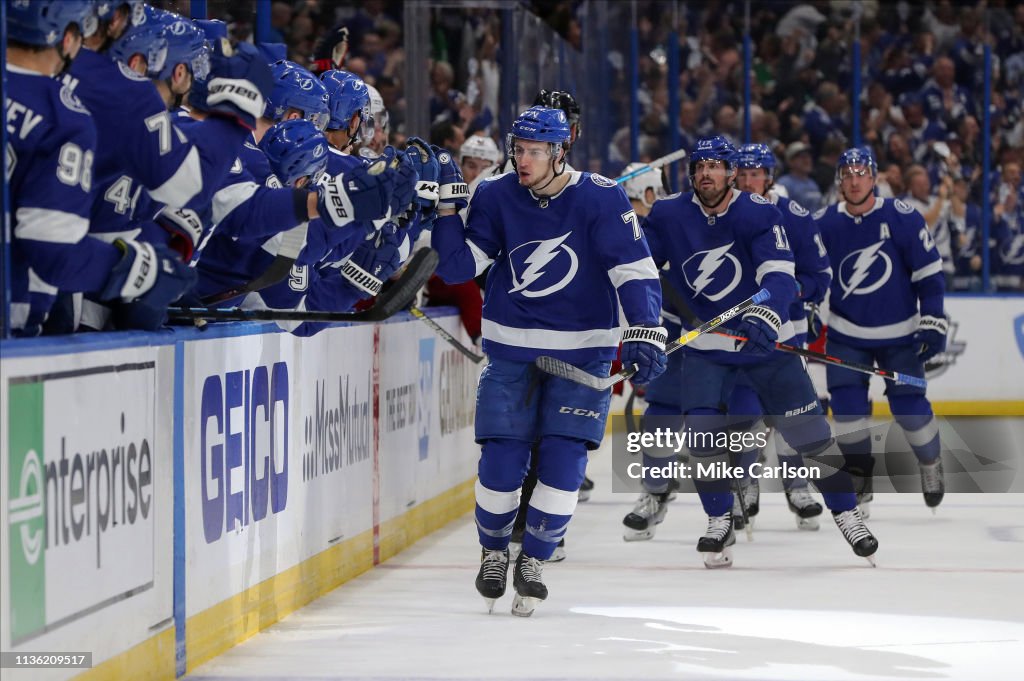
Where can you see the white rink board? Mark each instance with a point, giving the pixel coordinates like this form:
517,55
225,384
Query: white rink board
87,561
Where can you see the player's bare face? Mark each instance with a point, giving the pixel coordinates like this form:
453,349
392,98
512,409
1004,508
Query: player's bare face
533,163
753,180
856,183
472,167
711,181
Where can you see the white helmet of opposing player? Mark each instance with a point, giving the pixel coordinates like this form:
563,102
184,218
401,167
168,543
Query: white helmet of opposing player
480,146
636,187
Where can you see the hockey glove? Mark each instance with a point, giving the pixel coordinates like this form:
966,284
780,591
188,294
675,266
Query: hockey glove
146,280
374,261
406,178
644,347
363,193
453,191
427,189
930,337
760,326
185,230
814,323
238,84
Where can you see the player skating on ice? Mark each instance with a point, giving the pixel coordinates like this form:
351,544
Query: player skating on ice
567,252
886,308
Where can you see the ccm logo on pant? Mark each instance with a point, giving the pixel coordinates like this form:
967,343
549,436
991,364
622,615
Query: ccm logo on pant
578,411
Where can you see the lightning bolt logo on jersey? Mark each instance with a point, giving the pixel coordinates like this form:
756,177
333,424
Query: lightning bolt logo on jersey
865,271
714,273
889,273
548,266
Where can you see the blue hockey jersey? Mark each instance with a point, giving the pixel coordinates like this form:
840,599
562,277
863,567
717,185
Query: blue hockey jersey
813,270
49,160
562,266
887,273
718,261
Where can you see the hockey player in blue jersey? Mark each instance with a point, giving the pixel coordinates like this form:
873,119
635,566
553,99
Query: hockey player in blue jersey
755,173
885,307
721,246
51,146
567,250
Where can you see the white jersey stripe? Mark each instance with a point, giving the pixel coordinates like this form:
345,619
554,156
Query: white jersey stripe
549,339
53,226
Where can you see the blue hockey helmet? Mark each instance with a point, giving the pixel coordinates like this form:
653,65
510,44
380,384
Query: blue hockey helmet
560,99
713,148
213,29
165,39
541,124
856,156
136,10
297,88
756,156
348,95
43,22
295,149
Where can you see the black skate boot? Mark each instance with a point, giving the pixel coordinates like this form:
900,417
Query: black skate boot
586,488
647,514
804,506
716,544
857,534
490,580
530,590
933,483
863,485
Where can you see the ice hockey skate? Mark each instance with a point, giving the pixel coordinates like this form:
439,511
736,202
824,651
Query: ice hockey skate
530,590
805,507
716,544
857,534
647,514
585,489
515,545
490,580
933,484
864,487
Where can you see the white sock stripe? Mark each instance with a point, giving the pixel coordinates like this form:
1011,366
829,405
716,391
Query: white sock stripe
553,501
496,502
924,435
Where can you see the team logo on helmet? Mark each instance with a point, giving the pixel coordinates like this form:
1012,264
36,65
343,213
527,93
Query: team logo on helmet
713,273
178,28
540,268
865,271
318,151
305,83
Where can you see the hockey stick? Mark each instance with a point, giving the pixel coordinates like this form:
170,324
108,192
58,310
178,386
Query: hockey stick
394,299
563,369
443,333
654,165
905,379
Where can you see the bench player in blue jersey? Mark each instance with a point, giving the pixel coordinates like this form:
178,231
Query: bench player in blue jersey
567,250
721,246
885,307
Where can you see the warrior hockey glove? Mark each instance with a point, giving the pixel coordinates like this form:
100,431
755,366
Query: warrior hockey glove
146,280
238,84
374,261
427,189
760,326
454,192
644,347
363,193
406,178
930,337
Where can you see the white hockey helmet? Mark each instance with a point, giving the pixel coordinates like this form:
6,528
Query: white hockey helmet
480,146
636,187
377,110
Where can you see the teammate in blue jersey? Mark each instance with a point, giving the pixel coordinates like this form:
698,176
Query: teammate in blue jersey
567,250
49,164
885,308
755,173
721,246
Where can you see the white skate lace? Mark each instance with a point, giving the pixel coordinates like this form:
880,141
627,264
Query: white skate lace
646,505
931,477
719,526
531,568
494,565
852,526
800,497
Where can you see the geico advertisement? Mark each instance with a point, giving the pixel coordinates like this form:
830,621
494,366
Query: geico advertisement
81,485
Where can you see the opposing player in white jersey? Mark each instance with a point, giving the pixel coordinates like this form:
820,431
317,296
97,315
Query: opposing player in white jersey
567,251
49,164
885,308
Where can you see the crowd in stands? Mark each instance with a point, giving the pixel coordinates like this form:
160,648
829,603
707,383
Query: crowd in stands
920,108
